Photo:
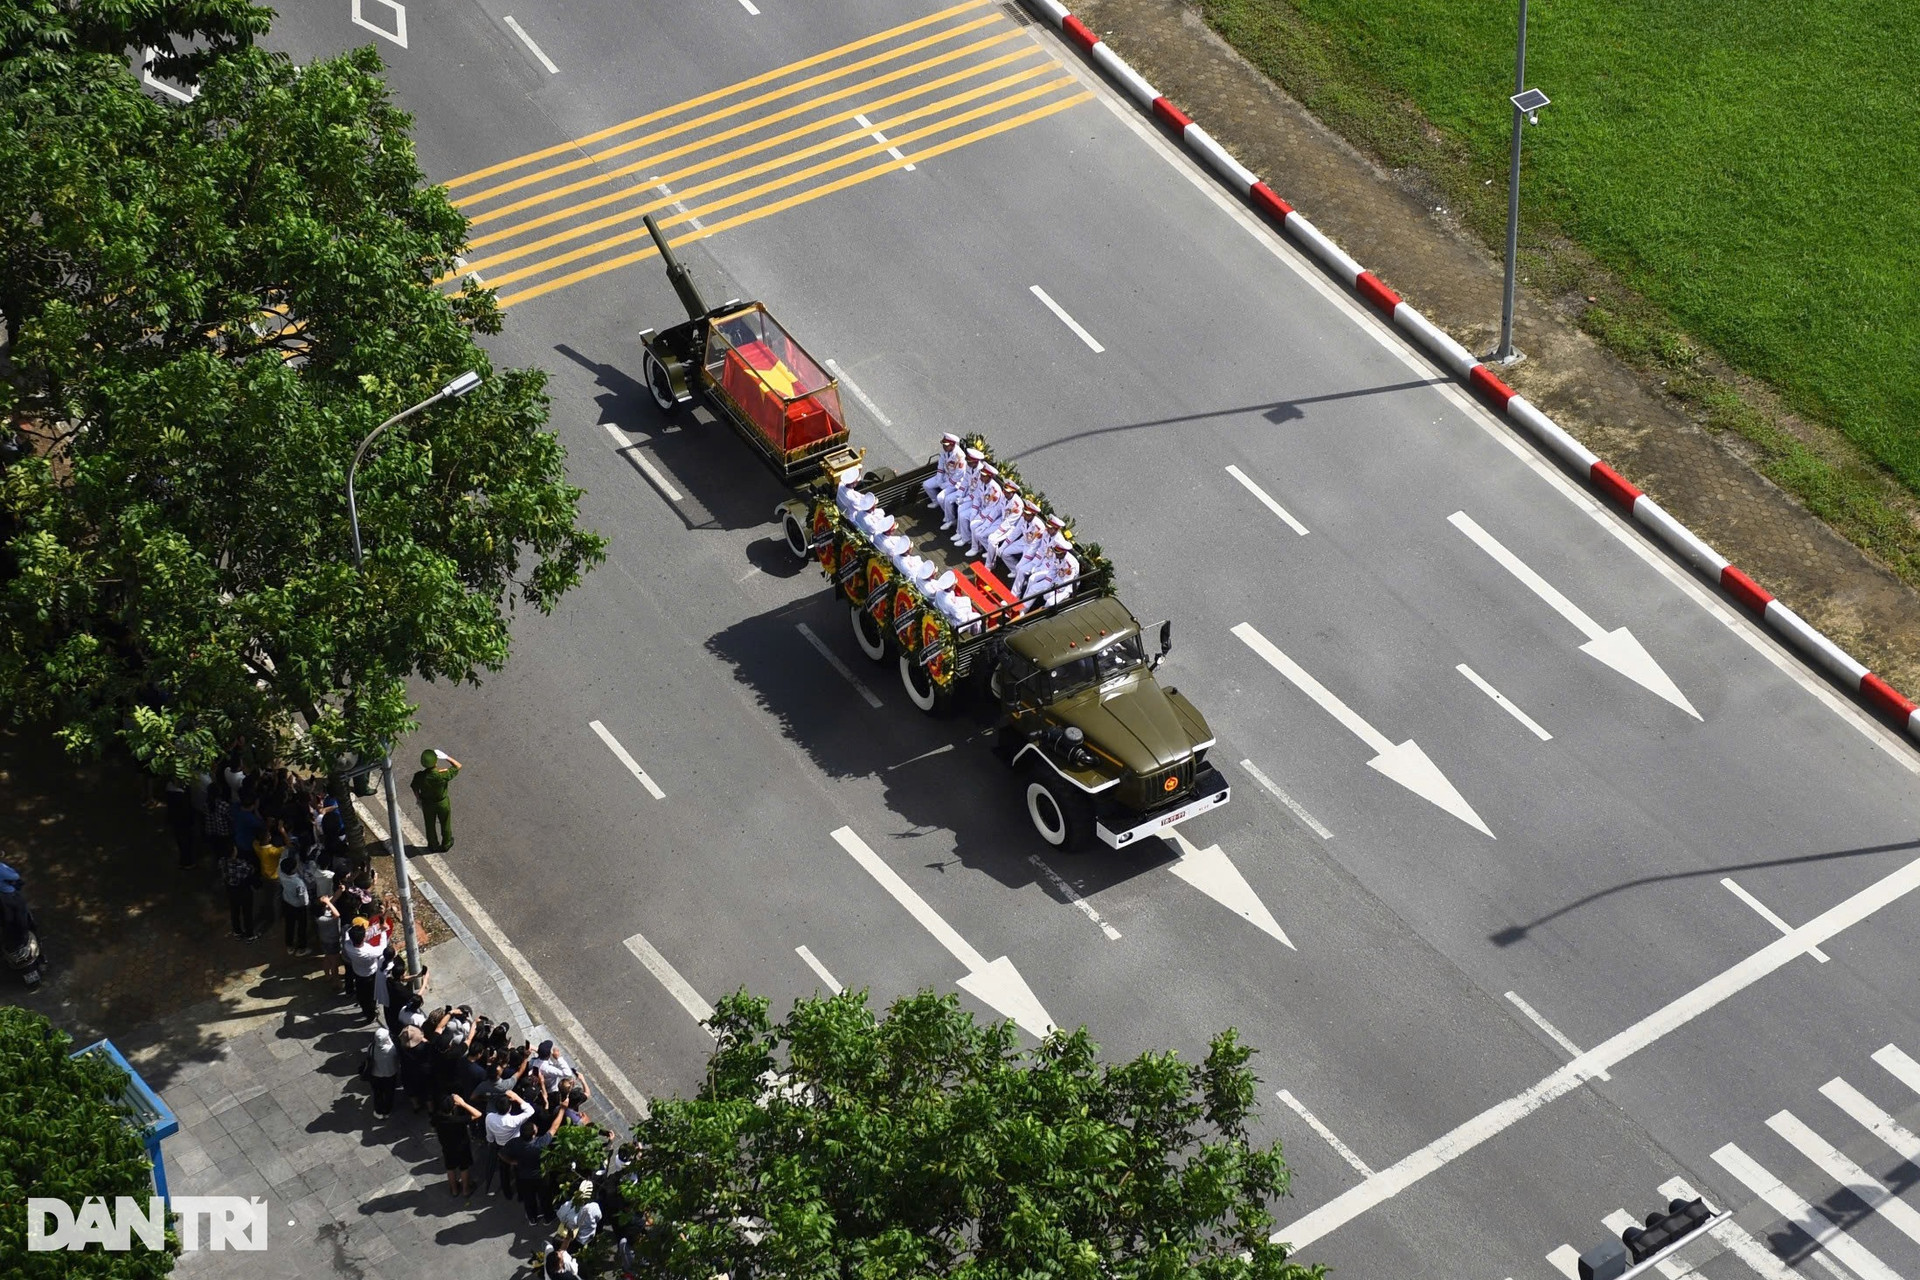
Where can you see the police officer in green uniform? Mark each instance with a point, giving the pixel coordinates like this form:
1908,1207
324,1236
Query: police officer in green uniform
430,789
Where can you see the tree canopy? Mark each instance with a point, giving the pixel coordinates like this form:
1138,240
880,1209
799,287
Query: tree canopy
208,306
840,1144
64,1137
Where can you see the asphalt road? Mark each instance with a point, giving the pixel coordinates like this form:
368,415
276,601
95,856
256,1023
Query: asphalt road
1576,856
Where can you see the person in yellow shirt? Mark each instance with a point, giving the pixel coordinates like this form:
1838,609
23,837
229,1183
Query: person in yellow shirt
269,847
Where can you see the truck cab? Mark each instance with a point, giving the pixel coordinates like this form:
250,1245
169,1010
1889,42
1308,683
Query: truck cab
1104,750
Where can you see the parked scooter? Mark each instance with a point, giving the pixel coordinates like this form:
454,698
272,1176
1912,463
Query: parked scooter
19,935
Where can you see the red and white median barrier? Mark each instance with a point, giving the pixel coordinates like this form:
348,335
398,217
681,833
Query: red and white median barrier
1828,656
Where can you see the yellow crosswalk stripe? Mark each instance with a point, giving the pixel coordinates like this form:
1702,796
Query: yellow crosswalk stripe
764,77
651,161
649,204
547,219
734,110
814,193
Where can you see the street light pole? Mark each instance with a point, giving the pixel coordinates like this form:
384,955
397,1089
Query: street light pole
398,845
1504,352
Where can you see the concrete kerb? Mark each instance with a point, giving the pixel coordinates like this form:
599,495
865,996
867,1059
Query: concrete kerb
1822,653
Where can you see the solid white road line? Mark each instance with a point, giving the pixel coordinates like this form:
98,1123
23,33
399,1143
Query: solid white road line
477,916
1271,505
881,138
1789,1204
1340,1148
1066,319
1406,764
677,987
1292,805
1844,1171
995,983
1899,1065
633,766
872,408
1617,648
626,446
1772,919
533,48
1606,1055
1619,1220
1211,872
1739,1241
1500,700
1072,896
833,660
1566,1260
813,963
1871,1118
1553,1032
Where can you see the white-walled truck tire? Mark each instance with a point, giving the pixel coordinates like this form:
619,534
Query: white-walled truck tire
660,384
868,634
1060,812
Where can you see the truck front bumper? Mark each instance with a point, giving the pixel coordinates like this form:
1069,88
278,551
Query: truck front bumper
1210,791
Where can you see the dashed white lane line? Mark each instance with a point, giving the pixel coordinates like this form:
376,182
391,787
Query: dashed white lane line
1254,489
627,446
1066,319
1738,1240
833,660
1292,805
532,48
841,376
677,987
1553,1032
1500,700
813,963
1340,1148
633,766
477,916
881,138
1072,896
1844,1171
1789,1204
1676,1013
1764,913
667,191
748,6
924,755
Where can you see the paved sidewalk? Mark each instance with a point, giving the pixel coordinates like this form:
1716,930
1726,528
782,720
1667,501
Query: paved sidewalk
279,1111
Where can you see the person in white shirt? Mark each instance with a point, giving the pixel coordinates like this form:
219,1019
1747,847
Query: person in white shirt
548,1062
953,461
505,1114
986,517
953,604
954,494
1011,527
973,500
1066,570
893,544
580,1214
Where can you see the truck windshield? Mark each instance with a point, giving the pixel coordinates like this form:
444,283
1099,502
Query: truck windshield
1097,668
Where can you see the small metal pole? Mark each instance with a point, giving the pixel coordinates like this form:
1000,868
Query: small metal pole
1504,351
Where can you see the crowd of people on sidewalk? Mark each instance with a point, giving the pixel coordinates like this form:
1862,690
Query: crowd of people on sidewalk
279,847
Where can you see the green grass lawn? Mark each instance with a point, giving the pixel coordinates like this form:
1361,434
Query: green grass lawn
1752,168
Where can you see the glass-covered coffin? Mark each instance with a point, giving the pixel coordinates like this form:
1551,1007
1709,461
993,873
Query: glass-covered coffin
774,383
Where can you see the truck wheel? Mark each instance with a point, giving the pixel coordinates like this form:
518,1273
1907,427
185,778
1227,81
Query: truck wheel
872,639
921,690
660,384
1060,814
796,537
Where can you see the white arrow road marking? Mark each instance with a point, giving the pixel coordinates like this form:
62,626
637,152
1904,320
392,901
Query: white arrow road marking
1617,648
1406,764
399,33
995,983
677,987
1211,872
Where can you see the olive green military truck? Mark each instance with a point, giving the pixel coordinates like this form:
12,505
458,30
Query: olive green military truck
1103,750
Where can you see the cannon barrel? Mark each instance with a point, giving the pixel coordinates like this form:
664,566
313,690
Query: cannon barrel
677,275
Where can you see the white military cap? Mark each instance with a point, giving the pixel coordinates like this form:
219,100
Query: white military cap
988,469
1060,541
922,569
861,501
976,455
947,437
945,582
1056,522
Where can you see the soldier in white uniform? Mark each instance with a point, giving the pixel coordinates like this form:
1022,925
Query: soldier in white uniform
1068,568
892,543
973,500
953,461
1011,528
952,495
947,597
1031,540
1036,552
986,517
